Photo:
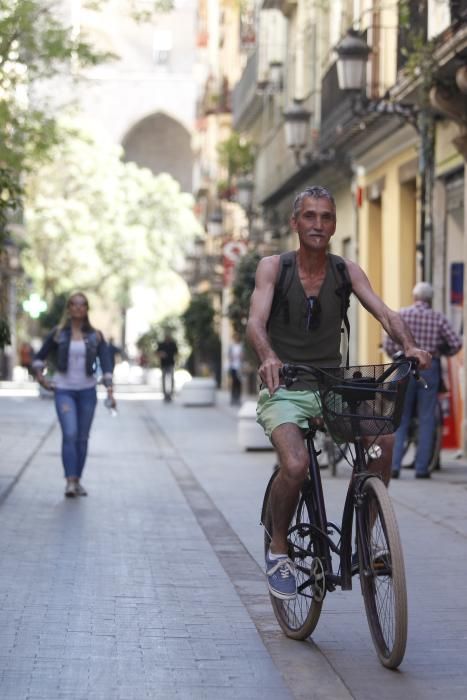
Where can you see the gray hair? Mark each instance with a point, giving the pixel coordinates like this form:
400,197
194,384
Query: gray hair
316,192
423,291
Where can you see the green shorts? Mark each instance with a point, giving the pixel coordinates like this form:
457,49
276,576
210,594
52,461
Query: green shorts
286,406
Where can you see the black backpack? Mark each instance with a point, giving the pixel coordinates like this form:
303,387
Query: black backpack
288,263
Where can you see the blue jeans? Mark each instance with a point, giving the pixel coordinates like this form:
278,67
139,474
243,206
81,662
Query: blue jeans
75,411
425,402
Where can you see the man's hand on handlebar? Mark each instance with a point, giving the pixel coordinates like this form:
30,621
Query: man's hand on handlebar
423,357
416,366
269,371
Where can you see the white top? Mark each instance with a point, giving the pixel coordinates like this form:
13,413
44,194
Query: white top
75,377
235,356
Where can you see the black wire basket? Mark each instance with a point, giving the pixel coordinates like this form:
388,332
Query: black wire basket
363,400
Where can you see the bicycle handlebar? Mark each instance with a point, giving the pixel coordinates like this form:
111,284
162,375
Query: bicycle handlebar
399,356
289,371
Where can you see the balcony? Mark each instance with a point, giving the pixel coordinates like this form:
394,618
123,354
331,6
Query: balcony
287,7
217,98
246,103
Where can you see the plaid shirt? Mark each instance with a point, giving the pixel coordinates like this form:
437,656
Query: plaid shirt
431,331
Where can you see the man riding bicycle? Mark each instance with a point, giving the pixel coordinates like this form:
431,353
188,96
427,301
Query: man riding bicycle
300,322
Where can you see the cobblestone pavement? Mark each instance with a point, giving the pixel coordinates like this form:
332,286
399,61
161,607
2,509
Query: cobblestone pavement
152,586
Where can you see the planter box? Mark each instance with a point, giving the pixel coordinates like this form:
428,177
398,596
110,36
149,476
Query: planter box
199,391
251,435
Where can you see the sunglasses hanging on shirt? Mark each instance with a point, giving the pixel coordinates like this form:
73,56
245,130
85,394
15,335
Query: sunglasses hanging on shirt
313,313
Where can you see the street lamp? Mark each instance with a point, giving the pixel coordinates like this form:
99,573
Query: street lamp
352,56
272,83
352,52
296,122
245,186
296,119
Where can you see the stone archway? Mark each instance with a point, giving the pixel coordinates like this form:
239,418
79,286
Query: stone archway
163,145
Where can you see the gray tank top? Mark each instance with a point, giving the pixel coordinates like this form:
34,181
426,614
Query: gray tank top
301,340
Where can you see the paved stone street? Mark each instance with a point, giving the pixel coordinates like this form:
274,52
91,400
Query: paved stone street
152,587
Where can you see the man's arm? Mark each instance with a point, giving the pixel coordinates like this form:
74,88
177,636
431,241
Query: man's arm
389,346
452,343
392,322
260,308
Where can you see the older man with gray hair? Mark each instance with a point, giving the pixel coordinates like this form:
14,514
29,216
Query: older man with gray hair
432,332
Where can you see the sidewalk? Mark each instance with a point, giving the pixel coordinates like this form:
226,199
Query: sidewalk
118,595
153,587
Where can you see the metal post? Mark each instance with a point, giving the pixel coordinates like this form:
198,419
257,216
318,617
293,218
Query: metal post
426,171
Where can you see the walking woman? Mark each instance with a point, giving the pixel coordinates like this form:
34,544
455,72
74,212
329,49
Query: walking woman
74,346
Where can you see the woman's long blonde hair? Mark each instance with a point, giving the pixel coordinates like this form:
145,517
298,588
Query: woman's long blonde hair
65,320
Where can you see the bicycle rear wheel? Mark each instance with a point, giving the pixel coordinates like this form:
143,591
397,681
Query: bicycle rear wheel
383,580
298,617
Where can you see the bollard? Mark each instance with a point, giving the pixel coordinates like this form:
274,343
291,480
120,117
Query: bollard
251,435
199,391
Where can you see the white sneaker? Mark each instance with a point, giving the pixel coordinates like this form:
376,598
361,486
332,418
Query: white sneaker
80,490
70,489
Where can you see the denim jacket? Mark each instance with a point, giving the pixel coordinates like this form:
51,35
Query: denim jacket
59,345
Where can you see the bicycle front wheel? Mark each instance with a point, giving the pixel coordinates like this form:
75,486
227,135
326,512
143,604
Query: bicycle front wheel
382,573
298,617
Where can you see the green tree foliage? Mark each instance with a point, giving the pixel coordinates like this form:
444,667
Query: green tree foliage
53,315
198,320
139,10
242,289
102,225
236,155
34,47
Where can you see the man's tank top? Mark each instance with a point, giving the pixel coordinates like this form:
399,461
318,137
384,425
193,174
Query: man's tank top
296,339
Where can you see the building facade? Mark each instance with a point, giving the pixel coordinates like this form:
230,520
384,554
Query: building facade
393,152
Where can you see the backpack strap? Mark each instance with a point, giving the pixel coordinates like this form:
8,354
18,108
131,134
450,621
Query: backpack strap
287,265
343,290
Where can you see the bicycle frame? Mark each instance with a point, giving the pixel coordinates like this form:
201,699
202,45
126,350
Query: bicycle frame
357,408
322,528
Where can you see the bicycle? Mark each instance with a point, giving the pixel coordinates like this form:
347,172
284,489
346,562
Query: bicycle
358,404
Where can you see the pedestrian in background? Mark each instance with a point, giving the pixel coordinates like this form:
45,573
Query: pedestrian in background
167,351
235,357
26,354
432,332
75,345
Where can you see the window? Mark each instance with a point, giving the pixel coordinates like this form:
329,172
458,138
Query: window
162,47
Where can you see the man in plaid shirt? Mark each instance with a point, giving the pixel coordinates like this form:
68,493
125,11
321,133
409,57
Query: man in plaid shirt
432,332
